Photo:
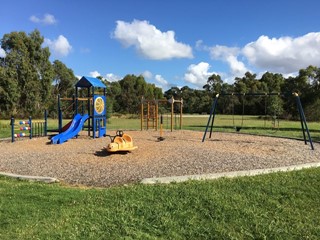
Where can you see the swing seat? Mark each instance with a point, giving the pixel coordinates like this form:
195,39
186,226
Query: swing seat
238,129
123,143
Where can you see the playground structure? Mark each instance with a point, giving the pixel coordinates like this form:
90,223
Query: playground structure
93,112
304,126
28,128
149,112
121,142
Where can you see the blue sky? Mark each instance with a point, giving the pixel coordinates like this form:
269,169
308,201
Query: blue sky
172,42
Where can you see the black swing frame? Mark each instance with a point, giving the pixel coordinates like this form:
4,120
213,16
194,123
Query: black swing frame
304,125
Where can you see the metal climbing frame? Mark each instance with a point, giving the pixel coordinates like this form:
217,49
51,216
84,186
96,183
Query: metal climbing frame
304,125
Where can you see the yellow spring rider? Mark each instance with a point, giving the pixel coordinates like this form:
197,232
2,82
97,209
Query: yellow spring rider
121,142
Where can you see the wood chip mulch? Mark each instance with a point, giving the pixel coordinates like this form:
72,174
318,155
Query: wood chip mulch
84,162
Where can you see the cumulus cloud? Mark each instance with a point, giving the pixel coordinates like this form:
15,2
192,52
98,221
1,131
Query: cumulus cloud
109,76
112,77
147,74
94,74
2,53
198,74
285,54
60,46
229,55
47,19
149,41
161,80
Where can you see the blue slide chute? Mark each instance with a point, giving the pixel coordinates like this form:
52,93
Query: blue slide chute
73,130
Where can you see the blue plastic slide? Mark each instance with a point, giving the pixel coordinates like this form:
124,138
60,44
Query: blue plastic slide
72,131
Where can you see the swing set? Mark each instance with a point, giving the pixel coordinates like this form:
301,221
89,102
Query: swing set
274,118
304,126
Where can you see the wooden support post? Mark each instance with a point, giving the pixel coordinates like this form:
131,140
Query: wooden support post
142,117
157,114
172,112
181,107
148,115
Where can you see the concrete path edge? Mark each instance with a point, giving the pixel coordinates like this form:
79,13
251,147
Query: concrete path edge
166,180
31,178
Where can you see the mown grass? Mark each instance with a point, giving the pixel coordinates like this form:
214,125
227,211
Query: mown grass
254,125
222,123
273,206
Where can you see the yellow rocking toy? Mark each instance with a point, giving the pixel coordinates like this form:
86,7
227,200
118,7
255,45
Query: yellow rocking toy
121,142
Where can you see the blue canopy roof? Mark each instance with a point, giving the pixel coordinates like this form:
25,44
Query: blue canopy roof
90,82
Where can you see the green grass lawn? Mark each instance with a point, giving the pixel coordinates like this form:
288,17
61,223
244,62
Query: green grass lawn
223,123
273,206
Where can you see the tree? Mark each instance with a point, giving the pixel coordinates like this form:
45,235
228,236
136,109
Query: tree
28,71
272,83
310,96
64,79
214,84
9,91
132,89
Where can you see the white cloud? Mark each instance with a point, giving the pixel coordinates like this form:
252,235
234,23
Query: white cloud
285,54
149,41
47,19
94,74
147,74
161,80
199,45
112,77
2,53
60,46
229,55
198,74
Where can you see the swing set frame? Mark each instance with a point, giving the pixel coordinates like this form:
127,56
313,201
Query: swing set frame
304,125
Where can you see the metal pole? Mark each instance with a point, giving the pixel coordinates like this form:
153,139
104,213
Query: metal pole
301,118
211,113
304,119
105,117
93,116
213,116
75,104
12,129
59,114
45,122
89,111
31,128
251,94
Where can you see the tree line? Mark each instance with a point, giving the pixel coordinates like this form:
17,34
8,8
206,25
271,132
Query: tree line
306,84
30,83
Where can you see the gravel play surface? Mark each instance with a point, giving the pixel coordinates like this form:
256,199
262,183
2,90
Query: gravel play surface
83,161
